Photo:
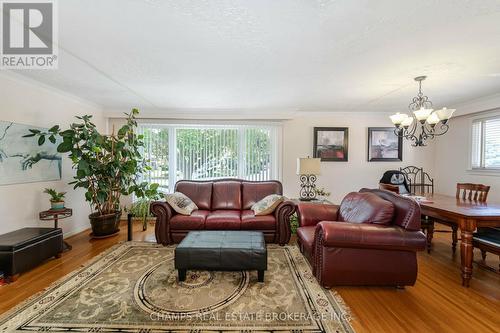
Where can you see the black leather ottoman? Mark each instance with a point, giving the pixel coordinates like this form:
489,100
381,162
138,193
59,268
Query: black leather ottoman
222,251
25,248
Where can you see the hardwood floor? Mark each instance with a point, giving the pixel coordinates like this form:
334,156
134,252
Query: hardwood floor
437,303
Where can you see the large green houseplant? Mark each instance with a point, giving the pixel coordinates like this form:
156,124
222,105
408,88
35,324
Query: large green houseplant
107,166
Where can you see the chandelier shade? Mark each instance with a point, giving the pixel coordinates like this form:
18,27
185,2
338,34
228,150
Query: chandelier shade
422,123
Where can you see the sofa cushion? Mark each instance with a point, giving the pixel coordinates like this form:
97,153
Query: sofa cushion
223,220
181,203
199,192
226,194
251,192
365,208
251,222
195,221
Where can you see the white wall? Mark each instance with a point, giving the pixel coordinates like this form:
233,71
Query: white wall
340,178
27,102
452,161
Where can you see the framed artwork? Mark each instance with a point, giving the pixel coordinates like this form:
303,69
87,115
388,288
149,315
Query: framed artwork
18,156
330,143
384,145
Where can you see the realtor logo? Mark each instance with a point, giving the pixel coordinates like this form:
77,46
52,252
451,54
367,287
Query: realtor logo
29,34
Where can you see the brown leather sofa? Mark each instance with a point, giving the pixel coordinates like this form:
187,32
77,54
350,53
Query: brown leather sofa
370,239
224,205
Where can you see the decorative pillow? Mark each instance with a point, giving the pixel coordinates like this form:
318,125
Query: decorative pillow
181,203
267,205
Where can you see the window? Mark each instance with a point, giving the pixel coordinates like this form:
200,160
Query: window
201,152
486,143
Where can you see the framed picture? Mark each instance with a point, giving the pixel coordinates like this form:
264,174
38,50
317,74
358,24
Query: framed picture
330,143
18,156
384,145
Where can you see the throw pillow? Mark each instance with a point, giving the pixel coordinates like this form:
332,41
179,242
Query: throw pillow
181,203
267,205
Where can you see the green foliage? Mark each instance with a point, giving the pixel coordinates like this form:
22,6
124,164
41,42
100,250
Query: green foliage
322,192
55,196
294,223
107,166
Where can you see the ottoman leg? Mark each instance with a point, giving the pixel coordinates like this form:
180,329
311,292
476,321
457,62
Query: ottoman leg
260,275
182,274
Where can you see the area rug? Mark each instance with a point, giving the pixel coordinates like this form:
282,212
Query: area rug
133,287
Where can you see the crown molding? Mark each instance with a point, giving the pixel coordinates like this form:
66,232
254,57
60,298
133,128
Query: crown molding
481,104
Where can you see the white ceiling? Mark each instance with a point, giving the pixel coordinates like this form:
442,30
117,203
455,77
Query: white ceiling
260,56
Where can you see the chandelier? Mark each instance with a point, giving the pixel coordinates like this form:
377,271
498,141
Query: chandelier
423,122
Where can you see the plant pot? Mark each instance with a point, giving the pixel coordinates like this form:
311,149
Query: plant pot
105,225
56,205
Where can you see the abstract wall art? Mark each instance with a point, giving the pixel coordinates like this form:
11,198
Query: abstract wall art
18,156
384,145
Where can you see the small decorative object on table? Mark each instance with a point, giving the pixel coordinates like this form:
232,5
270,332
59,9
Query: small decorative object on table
322,194
308,168
56,215
56,198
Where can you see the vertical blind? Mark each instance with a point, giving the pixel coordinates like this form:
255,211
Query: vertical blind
486,143
202,152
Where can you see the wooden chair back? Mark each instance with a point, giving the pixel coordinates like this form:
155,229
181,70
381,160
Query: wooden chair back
476,192
389,187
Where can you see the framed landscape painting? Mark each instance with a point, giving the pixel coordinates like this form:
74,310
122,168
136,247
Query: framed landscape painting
384,145
331,143
22,160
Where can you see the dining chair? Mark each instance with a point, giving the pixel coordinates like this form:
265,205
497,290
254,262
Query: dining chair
465,191
389,187
476,192
420,183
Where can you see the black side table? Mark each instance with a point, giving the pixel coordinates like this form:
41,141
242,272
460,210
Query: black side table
56,215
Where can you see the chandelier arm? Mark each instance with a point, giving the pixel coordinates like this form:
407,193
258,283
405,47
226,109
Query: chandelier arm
444,128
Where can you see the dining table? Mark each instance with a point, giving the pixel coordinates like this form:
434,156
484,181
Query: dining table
468,215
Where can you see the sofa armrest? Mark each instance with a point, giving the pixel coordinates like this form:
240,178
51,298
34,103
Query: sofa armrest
310,214
163,213
283,213
369,236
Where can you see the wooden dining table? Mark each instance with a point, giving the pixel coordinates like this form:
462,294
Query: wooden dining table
468,215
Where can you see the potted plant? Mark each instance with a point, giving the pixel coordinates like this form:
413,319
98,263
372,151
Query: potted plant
140,208
56,198
107,166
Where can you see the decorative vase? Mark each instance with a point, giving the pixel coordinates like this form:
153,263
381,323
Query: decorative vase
57,205
105,225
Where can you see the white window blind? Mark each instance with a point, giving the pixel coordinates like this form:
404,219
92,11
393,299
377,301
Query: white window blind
202,152
485,152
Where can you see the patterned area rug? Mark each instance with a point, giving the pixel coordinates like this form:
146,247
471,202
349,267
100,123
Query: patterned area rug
133,287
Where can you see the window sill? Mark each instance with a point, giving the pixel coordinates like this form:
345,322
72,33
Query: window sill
484,172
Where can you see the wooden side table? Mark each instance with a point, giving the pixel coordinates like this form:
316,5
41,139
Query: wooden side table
56,215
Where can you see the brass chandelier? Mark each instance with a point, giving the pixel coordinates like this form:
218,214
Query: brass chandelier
423,122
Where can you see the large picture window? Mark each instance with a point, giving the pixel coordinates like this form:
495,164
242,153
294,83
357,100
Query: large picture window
202,152
485,152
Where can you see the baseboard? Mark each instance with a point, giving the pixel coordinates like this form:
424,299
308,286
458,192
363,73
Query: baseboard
76,232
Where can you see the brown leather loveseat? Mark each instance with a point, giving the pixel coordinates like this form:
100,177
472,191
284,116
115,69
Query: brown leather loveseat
370,239
224,205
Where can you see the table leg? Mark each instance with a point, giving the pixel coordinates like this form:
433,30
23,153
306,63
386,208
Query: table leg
467,227
260,275
182,274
